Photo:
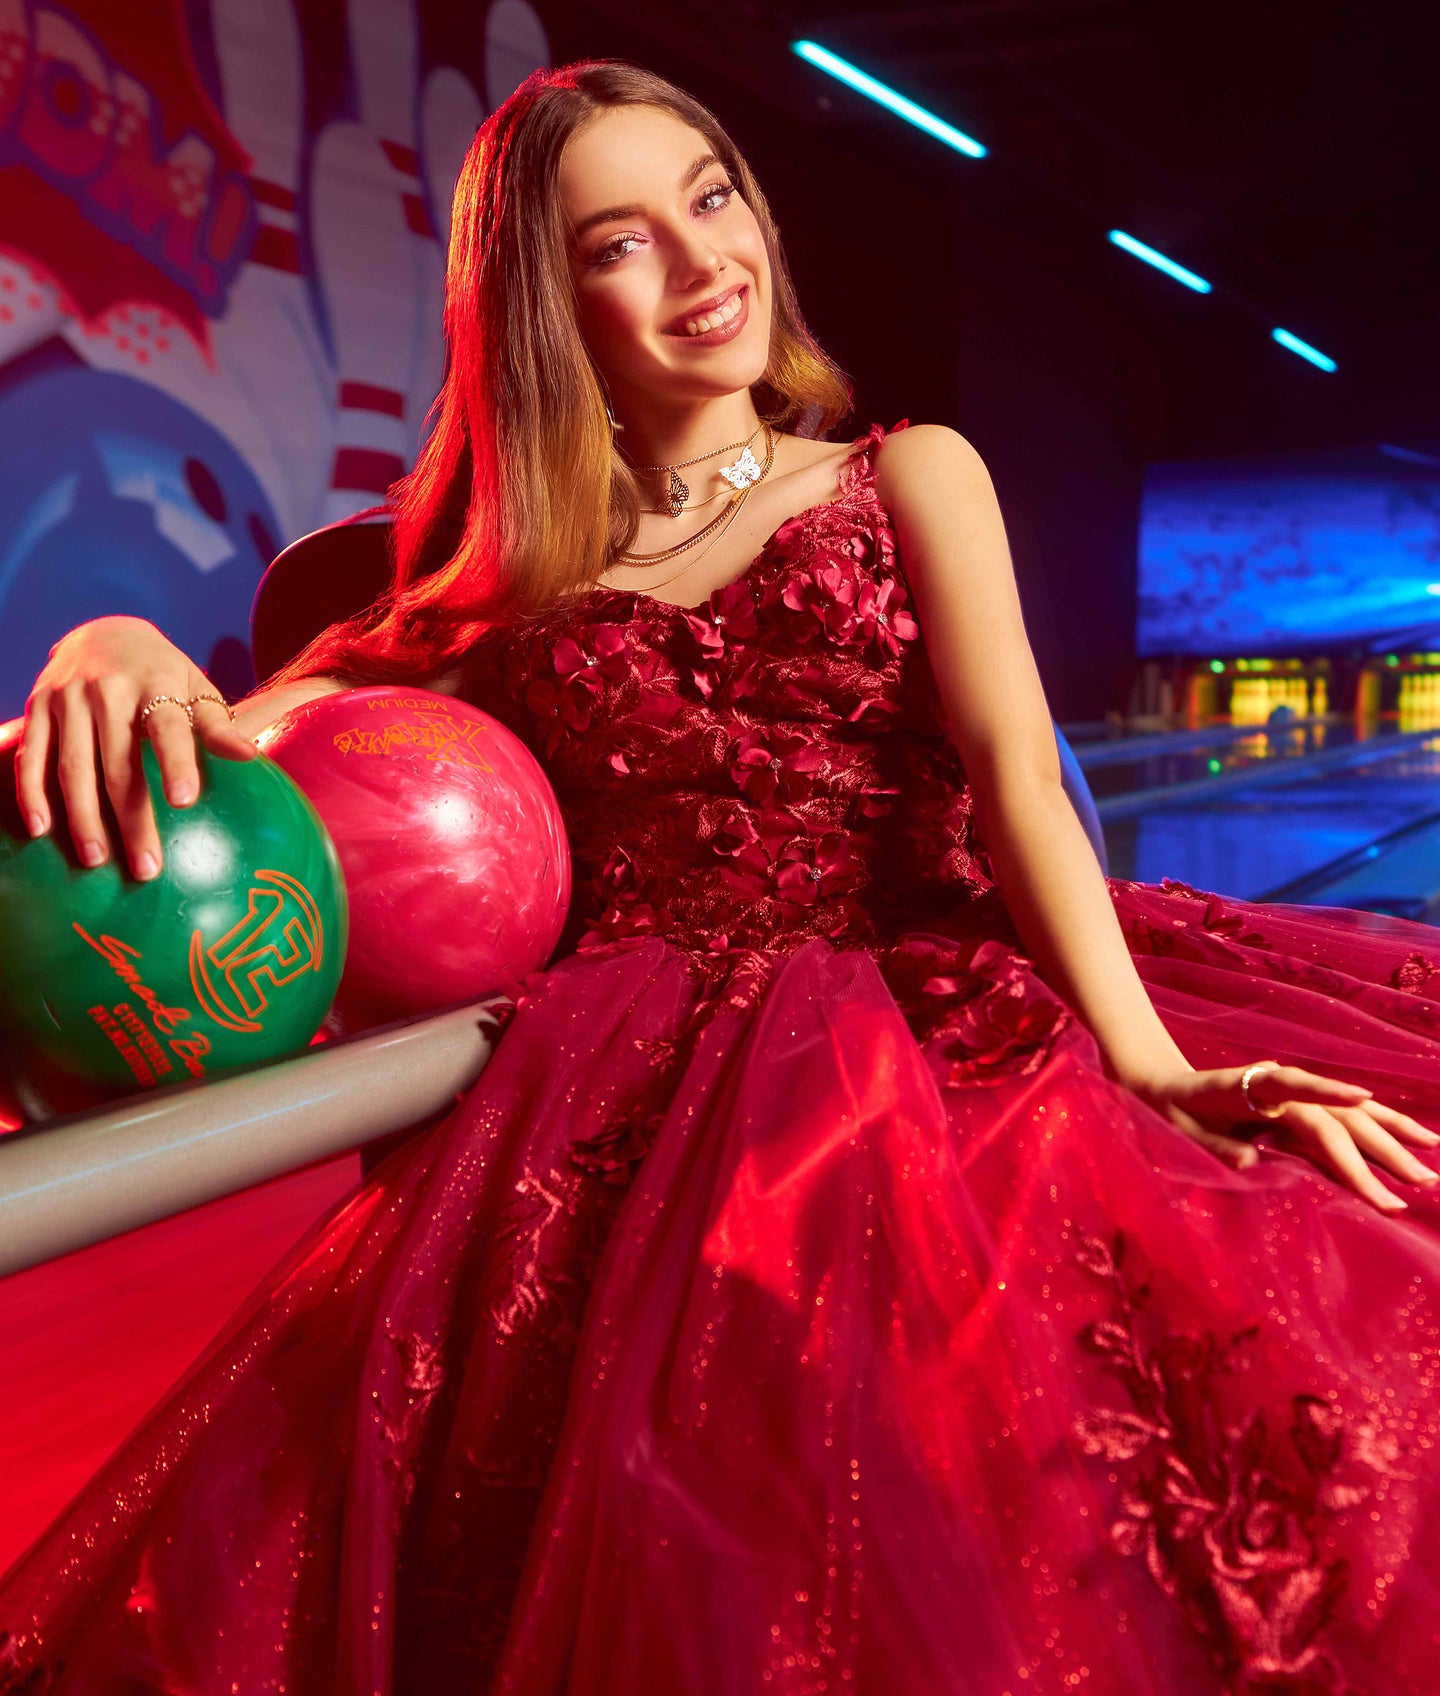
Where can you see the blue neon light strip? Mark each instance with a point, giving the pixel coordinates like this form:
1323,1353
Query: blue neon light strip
843,71
853,77
1160,262
1304,349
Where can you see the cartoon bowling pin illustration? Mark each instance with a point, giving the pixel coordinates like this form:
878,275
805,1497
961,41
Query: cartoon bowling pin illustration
515,45
368,217
450,114
269,337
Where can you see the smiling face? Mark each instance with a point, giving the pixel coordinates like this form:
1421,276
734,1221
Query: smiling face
658,230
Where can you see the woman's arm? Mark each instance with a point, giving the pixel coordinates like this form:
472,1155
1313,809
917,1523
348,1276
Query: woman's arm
958,565
957,562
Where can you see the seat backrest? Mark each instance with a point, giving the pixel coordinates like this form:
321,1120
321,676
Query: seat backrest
328,575
1072,780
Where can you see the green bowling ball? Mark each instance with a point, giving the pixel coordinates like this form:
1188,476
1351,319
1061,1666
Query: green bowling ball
230,956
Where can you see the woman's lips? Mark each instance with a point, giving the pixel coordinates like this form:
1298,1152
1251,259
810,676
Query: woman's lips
721,332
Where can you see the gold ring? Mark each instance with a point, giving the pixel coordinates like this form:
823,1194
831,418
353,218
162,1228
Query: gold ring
219,698
1245,1077
156,700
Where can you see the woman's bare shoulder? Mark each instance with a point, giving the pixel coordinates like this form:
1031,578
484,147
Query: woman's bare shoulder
265,705
930,470
261,709
920,450
448,682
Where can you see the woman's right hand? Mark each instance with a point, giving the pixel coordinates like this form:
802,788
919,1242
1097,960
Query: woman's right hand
85,711
1337,1126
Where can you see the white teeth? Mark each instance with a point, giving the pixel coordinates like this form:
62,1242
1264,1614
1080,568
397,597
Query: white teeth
721,315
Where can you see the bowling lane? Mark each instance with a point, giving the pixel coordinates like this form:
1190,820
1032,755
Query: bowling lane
1252,841
1121,765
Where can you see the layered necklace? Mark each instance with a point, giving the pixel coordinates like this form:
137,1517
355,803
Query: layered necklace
742,476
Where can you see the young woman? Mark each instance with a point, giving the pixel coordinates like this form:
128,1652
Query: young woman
855,1269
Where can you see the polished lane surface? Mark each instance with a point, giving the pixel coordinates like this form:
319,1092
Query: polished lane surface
1316,810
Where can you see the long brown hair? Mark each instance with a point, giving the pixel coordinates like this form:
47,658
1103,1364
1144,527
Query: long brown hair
519,495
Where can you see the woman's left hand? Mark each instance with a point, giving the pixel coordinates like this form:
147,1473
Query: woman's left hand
1336,1126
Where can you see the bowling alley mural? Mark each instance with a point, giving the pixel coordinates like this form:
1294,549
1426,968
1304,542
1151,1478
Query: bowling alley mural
222,228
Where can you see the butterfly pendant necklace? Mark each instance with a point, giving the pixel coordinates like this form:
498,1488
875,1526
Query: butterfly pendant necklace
740,475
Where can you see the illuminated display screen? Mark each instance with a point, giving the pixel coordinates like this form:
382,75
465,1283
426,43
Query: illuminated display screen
1291,553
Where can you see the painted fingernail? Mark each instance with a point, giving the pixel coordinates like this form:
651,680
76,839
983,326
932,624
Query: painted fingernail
146,865
91,853
38,823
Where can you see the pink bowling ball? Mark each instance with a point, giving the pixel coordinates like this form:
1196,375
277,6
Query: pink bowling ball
454,851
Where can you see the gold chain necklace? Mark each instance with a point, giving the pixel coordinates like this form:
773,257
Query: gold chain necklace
730,512
761,469
694,506
677,491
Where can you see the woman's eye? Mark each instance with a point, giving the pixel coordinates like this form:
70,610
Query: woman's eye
609,251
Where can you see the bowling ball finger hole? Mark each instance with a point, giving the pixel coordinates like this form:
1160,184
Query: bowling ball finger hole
205,487
265,544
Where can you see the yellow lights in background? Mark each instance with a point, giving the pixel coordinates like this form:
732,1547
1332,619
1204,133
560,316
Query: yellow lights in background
1254,696
1246,691
1419,702
1407,685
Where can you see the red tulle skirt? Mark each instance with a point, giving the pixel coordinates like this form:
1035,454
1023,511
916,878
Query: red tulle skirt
832,1326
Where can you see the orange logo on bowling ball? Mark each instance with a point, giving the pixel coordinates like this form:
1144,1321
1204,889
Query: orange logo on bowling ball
280,938
439,738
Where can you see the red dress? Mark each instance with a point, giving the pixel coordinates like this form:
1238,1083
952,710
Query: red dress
793,1305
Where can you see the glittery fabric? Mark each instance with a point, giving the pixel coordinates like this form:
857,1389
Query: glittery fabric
793,1305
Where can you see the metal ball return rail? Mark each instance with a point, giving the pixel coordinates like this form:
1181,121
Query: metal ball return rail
67,1183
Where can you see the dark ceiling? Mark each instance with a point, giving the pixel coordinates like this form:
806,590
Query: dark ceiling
1286,152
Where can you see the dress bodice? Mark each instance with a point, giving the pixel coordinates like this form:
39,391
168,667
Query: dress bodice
767,767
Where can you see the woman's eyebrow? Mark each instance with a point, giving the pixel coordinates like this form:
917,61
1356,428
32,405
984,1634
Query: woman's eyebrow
633,211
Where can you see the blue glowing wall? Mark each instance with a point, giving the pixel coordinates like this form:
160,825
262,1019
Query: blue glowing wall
1291,553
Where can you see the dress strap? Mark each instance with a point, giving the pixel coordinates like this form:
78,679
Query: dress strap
858,471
